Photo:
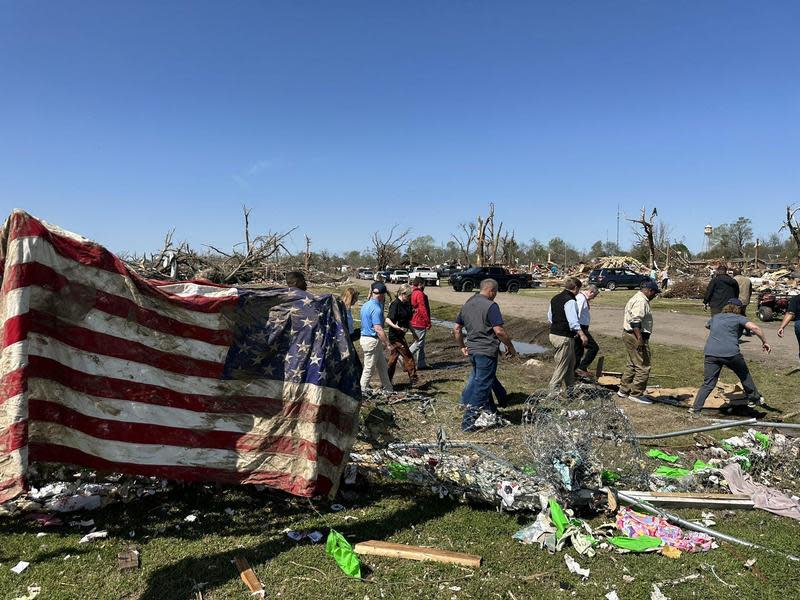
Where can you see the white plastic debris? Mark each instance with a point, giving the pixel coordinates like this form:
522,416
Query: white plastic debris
749,563
612,595
20,567
95,535
230,512
41,534
33,592
508,490
73,503
190,518
574,567
657,594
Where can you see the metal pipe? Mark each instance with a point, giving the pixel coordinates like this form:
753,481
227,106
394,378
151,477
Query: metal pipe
695,527
775,424
725,425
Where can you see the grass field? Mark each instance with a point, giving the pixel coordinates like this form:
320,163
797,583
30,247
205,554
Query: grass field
180,558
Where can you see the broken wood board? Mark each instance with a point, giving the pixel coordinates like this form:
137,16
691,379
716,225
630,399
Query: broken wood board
388,549
128,559
723,396
248,576
692,500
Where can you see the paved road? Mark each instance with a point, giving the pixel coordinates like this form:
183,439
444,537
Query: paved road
669,328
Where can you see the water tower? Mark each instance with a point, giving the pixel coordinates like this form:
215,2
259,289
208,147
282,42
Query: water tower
707,231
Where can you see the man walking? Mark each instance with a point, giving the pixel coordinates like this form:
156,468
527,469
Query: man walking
745,289
637,325
481,318
374,340
420,321
585,353
564,326
721,288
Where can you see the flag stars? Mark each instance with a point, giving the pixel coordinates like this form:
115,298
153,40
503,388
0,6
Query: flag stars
307,322
302,348
315,359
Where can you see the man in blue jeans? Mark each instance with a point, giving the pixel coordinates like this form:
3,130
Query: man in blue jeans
482,322
792,314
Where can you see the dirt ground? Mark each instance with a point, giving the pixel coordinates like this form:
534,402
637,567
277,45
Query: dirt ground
669,328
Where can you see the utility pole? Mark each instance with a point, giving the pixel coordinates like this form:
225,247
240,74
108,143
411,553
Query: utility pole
755,266
617,227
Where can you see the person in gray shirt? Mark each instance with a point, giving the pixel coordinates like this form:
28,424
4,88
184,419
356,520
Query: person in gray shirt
722,350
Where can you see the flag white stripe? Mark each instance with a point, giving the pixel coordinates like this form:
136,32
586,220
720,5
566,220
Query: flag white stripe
141,413
177,456
33,249
14,463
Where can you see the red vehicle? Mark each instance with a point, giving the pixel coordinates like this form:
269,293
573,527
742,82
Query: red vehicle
771,305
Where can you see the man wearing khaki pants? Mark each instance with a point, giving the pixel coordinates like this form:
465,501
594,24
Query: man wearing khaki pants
637,325
564,327
374,340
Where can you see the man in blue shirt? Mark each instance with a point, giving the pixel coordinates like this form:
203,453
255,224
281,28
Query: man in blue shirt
481,318
374,339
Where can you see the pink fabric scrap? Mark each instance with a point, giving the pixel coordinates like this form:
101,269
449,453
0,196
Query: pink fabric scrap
635,524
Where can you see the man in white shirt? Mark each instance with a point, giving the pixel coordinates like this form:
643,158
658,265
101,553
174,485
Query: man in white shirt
585,353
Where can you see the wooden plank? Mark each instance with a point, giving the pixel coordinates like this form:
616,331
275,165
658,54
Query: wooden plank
601,361
378,548
693,500
248,576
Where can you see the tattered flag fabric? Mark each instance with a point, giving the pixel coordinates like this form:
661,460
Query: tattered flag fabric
103,368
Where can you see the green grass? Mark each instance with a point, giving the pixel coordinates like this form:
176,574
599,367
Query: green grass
176,555
618,299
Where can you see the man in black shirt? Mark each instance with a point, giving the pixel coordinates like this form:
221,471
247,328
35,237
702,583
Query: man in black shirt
721,288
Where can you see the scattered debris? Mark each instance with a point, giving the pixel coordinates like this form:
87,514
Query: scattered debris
20,567
190,518
95,535
128,559
297,536
378,548
33,592
248,576
341,551
657,594
574,567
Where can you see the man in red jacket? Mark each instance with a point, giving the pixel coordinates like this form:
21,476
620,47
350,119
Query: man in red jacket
420,321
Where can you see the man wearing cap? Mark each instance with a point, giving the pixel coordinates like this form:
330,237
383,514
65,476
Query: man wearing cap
374,339
637,325
722,350
481,318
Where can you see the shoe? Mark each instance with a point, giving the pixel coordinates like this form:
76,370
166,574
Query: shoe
640,399
756,402
695,412
621,394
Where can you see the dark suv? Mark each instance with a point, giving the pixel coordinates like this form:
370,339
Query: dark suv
614,278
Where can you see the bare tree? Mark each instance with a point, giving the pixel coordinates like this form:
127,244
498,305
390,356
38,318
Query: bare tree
792,226
307,255
646,234
387,247
465,240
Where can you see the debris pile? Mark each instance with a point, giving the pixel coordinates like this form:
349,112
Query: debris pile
579,439
690,287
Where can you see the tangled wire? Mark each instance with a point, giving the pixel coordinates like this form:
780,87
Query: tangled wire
580,440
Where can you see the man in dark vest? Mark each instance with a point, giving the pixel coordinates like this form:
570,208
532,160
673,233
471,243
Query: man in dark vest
481,318
564,327
721,288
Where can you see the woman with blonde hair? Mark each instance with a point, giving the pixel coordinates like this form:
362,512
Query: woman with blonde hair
399,321
349,299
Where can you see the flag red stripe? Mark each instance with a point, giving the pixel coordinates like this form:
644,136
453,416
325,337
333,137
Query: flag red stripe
94,255
17,328
35,274
13,437
137,433
293,484
10,488
14,383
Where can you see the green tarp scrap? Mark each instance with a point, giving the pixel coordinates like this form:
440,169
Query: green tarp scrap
642,543
678,472
656,453
762,438
558,517
342,552
398,471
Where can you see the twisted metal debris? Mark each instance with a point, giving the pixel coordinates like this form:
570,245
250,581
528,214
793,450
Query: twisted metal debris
574,436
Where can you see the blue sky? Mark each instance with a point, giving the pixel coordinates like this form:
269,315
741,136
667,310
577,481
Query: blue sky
122,120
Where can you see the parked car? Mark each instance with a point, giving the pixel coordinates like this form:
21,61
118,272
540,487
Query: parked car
369,275
771,305
466,281
384,274
399,276
612,279
429,276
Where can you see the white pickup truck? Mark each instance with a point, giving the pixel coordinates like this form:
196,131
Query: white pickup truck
429,276
398,276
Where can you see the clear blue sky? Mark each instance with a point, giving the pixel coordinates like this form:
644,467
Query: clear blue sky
121,120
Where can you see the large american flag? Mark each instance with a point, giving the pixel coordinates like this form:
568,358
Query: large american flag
105,369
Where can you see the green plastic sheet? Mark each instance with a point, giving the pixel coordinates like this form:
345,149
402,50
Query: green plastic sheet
700,465
558,517
642,543
398,471
763,439
342,552
609,476
674,472
656,453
